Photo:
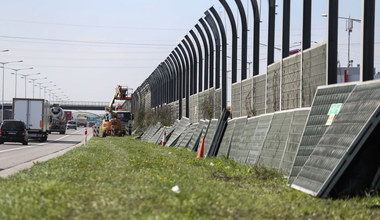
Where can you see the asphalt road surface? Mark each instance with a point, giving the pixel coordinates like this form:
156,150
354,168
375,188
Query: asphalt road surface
15,156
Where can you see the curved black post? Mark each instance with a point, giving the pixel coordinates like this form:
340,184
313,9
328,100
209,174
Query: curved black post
190,66
285,27
193,77
167,80
234,40
206,51
186,78
271,26
176,72
161,75
181,65
160,87
224,56
244,36
152,84
256,37
173,89
164,77
332,42
200,71
215,32
169,68
306,24
211,52
368,40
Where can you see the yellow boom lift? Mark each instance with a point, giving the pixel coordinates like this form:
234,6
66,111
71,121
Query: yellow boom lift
119,119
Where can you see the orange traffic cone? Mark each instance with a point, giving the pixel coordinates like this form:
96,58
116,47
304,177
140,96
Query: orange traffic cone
201,148
163,139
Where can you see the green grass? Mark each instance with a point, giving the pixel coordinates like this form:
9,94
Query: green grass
121,178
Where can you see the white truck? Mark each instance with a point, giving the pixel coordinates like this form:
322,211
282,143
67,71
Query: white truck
35,114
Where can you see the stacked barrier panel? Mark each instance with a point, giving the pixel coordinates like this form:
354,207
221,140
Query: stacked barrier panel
316,122
157,135
227,138
343,143
194,141
188,135
295,133
238,147
275,141
180,128
210,135
258,138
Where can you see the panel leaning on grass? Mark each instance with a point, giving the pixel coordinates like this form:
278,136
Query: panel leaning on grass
182,136
316,123
194,141
275,141
219,132
188,135
295,133
183,123
236,147
227,137
258,138
345,161
150,132
210,135
157,136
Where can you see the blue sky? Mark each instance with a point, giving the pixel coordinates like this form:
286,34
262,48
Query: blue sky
138,35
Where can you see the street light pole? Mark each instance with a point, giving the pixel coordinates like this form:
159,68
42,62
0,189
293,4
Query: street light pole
25,76
349,27
40,85
16,70
2,93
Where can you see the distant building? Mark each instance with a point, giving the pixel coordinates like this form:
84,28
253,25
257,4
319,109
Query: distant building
352,74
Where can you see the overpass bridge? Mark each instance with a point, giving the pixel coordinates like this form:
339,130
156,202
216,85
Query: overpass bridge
71,105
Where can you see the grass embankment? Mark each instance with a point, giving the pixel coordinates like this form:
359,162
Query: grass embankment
121,178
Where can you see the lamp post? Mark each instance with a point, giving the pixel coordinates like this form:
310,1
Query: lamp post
46,86
25,76
33,80
51,92
2,93
349,27
16,71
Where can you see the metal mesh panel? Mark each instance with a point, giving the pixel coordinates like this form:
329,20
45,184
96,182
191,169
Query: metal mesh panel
157,136
356,120
182,136
237,146
145,134
315,125
295,133
227,137
275,141
196,136
151,132
188,134
210,135
181,126
258,139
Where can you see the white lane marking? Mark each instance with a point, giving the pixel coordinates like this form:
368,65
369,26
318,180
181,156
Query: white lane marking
38,145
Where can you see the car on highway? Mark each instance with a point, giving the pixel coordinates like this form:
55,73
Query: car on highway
71,125
13,131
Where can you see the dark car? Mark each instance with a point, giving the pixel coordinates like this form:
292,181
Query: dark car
13,131
71,125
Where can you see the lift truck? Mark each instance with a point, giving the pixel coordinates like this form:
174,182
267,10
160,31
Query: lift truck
116,121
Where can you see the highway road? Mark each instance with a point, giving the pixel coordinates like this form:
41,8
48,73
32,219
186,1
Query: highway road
15,156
